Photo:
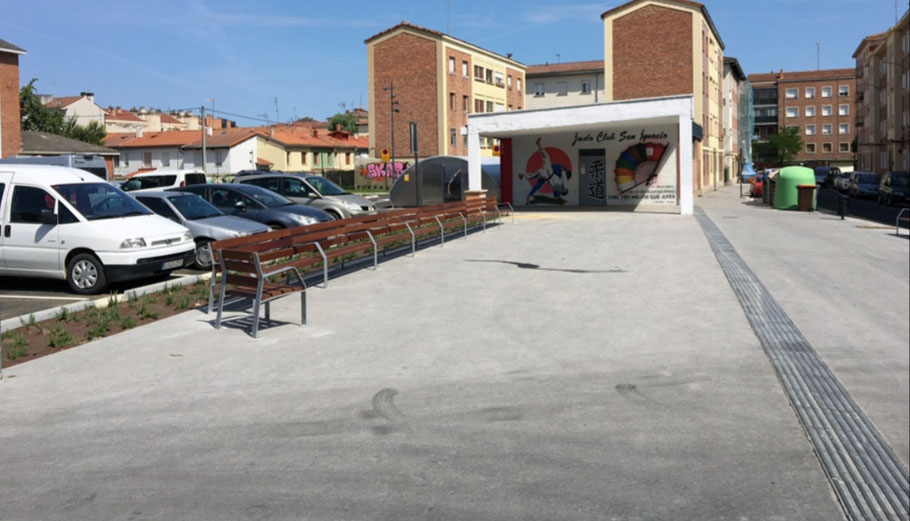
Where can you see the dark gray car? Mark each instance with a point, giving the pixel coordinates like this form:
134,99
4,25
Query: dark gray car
258,204
312,190
206,222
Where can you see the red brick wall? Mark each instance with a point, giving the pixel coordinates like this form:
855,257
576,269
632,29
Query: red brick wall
652,53
460,86
410,62
9,104
515,96
801,102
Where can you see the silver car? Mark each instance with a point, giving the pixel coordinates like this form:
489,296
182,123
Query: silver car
206,222
312,190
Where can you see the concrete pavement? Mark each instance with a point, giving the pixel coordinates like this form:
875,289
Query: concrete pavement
617,379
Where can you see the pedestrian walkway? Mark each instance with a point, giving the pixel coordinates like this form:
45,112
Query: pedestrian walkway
570,366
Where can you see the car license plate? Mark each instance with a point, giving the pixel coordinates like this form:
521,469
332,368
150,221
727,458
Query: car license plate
173,264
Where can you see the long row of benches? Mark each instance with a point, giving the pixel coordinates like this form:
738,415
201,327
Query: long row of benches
272,265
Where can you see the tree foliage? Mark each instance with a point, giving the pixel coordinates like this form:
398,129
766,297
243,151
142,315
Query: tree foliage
348,122
786,144
35,116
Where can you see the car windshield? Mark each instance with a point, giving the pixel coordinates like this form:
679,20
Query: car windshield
900,181
324,186
193,207
100,201
866,179
270,199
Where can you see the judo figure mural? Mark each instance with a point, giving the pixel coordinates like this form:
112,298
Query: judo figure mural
548,170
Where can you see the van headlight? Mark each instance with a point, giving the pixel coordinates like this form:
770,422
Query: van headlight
241,234
305,219
133,243
351,206
187,236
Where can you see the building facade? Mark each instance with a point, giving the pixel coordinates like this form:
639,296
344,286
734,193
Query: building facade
734,85
820,103
81,108
564,84
437,80
10,121
883,100
656,48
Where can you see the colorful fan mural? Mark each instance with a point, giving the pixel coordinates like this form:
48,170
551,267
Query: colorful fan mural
639,164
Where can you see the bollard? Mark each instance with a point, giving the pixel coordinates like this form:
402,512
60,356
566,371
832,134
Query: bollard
841,205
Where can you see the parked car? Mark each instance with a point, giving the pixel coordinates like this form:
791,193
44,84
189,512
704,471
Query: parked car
863,184
842,181
91,163
65,223
206,222
163,179
258,204
894,188
312,190
824,175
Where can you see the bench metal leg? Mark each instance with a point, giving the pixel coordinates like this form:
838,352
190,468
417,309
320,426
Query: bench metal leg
268,315
442,232
413,240
303,308
465,223
325,266
221,298
375,252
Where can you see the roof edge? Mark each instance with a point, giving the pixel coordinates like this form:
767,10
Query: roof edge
687,3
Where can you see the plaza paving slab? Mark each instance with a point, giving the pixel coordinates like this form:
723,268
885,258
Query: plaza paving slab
619,379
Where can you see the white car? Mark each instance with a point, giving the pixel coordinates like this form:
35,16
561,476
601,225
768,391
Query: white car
65,223
164,179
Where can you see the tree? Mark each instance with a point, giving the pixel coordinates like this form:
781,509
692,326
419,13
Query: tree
785,145
348,122
35,116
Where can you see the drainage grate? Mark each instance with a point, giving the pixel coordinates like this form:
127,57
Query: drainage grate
868,478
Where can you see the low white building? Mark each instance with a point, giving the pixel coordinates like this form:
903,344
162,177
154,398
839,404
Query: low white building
633,154
82,108
564,84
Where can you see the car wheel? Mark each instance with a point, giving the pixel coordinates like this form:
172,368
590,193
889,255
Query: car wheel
85,274
333,214
276,226
203,258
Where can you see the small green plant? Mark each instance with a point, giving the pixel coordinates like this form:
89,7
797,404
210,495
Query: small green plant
112,313
128,322
145,312
132,299
112,299
32,323
98,327
63,315
169,300
184,302
199,282
60,337
16,345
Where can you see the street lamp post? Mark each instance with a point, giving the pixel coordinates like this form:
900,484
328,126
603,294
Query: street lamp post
393,103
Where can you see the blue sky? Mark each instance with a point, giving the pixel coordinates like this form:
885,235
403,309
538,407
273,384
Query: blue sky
310,55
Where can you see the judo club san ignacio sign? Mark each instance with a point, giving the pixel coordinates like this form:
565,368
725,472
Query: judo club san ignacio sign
609,167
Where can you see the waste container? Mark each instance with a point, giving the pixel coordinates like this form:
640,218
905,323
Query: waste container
806,201
787,192
765,189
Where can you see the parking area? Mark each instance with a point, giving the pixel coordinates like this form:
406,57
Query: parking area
570,366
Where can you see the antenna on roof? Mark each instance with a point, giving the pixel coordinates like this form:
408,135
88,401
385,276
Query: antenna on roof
557,58
449,12
275,99
818,56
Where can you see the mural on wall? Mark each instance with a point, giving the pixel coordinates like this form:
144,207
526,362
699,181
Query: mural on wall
548,171
625,166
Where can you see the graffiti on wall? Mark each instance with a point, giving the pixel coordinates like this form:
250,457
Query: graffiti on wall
375,171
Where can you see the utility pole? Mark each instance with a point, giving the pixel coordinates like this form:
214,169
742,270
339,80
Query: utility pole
277,119
392,110
202,111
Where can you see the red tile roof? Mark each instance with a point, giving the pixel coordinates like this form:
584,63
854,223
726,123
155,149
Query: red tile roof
567,67
59,103
785,76
122,115
288,135
869,40
170,120
262,161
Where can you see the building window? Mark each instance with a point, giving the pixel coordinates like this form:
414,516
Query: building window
519,88
586,87
509,80
810,111
500,107
347,158
826,110
810,130
489,106
843,128
478,105
810,148
464,103
500,82
791,93
146,159
826,92
827,148
844,147
843,90
165,159
538,89
464,68
451,65
489,76
302,158
792,112
843,110
452,101
452,137
810,92
826,130
478,72
562,88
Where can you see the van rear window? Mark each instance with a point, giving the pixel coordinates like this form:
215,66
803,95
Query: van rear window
195,179
149,181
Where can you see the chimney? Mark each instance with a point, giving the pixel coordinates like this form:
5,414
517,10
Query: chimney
142,110
315,133
272,132
509,56
139,132
89,95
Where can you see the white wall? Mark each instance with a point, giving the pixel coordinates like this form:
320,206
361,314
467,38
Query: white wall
574,97
85,111
131,158
243,156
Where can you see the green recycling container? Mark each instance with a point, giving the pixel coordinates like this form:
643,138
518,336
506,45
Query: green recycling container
786,195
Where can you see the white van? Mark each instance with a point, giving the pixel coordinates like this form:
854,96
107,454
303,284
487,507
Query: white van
164,179
65,223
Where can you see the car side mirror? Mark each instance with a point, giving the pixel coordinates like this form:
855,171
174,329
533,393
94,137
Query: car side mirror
48,217
312,195
240,205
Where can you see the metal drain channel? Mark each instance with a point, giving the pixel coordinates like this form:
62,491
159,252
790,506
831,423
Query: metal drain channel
869,480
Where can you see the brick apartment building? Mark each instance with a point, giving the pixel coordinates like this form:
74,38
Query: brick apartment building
821,103
883,100
10,124
669,47
438,80
565,84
